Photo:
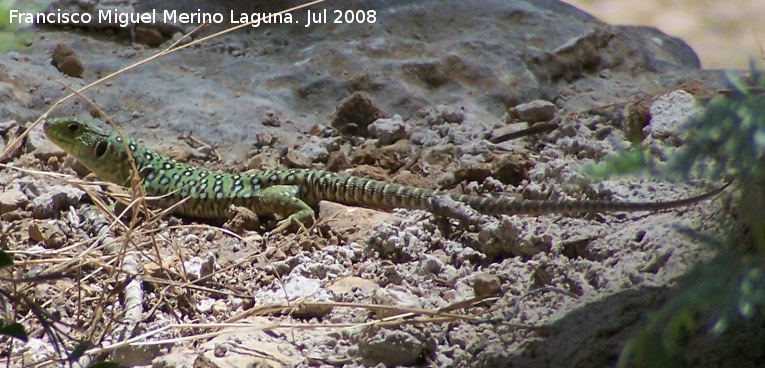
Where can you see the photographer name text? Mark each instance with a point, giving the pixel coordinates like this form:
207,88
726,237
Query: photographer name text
126,19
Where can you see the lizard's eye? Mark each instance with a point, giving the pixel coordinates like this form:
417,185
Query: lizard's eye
73,128
101,148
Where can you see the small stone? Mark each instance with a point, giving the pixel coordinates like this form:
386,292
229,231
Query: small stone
352,284
370,172
431,265
301,288
13,132
66,61
338,161
442,114
294,159
263,161
34,232
241,219
264,140
148,36
272,120
441,156
210,235
12,199
205,305
512,168
398,153
391,348
388,131
180,38
54,163
350,223
5,126
355,113
318,149
196,267
410,179
667,114
48,233
204,152
43,148
486,284
220,308
179,153
367,154
510,127
54,199
473,172
534,111
13,216
395,296
219,352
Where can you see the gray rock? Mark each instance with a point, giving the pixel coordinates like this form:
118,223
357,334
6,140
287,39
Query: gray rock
669,112
54,199
318,149
197,267
535,111
12,199
388,131
42,146
391,347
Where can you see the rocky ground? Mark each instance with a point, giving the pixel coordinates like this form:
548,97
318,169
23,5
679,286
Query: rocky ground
420,97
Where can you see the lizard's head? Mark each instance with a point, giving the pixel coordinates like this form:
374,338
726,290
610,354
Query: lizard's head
101,152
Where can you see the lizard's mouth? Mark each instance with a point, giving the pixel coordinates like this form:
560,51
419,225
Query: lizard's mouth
49,128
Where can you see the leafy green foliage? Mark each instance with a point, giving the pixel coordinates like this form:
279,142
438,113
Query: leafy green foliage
726,287
634,162
726,140
15,35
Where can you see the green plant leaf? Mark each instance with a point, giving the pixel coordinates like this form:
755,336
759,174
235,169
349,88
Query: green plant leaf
105,365
79,350
15,330
5,260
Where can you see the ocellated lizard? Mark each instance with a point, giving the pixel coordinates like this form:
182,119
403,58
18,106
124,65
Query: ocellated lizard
291,193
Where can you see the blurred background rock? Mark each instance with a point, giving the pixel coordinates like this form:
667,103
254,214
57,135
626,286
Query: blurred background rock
725,34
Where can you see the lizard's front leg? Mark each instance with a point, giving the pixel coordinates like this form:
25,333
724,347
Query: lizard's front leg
283,200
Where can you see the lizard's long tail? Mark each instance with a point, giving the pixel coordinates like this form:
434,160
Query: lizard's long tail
381,195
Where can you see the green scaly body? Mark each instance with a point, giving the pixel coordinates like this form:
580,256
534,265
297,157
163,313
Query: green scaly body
290,193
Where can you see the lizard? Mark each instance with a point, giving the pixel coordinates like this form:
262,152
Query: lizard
290,193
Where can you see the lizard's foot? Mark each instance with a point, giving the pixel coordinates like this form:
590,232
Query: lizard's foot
296,221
